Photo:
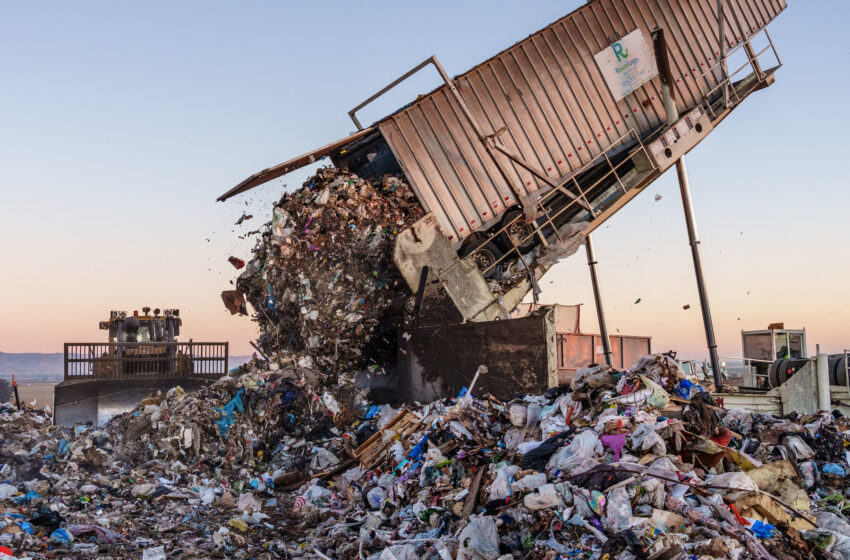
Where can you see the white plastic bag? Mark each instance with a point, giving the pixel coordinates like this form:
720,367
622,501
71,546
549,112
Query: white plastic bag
545,497
501,486
739,482
586,444
7,491
618,511
479,540
518,414
529,482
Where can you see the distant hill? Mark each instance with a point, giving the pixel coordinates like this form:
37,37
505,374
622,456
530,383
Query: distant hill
32,367
50,367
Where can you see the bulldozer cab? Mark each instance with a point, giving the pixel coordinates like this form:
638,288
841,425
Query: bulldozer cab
143,328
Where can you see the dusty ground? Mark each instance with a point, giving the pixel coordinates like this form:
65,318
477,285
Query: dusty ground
43,392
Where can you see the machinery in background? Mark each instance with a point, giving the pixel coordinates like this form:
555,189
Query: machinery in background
141,356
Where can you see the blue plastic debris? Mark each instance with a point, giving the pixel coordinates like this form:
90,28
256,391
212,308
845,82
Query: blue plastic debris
64,447
228,413
419,449
685,389
834,468
31,495
762,530
61,536
270,303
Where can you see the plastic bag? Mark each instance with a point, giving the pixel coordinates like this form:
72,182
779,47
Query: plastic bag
830,521
537,458
518,415
545,497
762,530
529,482
615,442
655,444
532,415
618,511
330,403
323,459
585,444
739,482
810,473
154,553
479,540
376,497
833,468
659,397
739,420
207,495
399,552
7,491
501,486
798,447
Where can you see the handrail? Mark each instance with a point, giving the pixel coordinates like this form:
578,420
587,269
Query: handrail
430,60
129,360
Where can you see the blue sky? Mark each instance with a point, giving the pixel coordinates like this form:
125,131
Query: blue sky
122,122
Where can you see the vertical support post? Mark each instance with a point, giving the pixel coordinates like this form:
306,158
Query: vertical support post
751,54
693,238
226,357
597,296
824,396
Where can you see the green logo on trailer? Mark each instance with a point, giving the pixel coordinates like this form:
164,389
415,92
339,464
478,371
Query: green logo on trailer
621,52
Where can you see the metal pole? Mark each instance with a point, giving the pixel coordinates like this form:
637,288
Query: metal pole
754,60
597,295
693,237
824,394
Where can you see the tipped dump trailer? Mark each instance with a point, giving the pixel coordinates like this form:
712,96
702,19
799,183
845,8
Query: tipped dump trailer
517,160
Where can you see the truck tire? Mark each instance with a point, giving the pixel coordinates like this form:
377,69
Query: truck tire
837,371
483,256
516,232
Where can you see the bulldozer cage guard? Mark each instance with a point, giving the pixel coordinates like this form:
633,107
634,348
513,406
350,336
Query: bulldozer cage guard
135,360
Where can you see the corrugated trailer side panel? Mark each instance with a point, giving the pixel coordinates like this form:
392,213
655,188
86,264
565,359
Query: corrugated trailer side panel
551,99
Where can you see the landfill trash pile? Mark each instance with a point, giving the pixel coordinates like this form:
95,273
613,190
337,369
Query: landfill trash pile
322,281
271,464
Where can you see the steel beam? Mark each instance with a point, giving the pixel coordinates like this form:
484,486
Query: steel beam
693,237
597,296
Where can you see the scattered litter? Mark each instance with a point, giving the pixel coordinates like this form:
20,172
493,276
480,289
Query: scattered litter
272,463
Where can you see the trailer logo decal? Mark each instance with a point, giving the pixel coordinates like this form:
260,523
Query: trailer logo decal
627,64
621,52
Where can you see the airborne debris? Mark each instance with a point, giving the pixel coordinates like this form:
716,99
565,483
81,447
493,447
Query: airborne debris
243,217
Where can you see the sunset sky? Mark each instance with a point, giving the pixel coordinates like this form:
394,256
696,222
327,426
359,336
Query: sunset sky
122,122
